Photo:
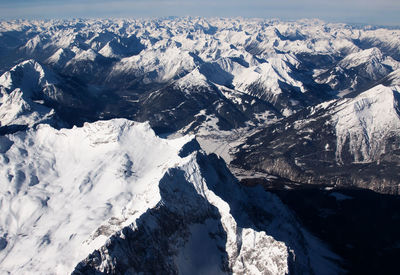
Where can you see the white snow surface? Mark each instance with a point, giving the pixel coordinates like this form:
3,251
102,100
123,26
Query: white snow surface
366,121
394,78
64,192
267,76
373,59
19,87
211,39
158,64
59,186
373,64
255,55
26,73
372,55
257,253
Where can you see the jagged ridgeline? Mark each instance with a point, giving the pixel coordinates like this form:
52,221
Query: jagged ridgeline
113,197
223,79
288,103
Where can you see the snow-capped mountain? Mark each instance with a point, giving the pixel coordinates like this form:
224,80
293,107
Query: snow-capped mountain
365,123
346,142
286,65
358,71
23,90
113,185
85,189
32,93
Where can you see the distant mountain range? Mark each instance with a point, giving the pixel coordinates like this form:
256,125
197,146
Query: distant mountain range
231,101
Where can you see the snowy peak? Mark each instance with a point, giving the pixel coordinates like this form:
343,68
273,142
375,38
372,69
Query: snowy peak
372,55
60,57
370,60
83,55
358,71
192,80
23,90
27,75
366,122
379,104
103,188
269,74
111,50
122,47
155,65
18,111
343,142
268,60
73,181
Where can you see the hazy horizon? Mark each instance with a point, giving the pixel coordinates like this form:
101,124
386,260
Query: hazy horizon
384,12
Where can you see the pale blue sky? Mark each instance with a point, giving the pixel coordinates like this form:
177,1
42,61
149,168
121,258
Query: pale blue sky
381,12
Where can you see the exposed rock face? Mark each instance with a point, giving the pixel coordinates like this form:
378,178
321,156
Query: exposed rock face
142,204
357,71
85,189
348,142
168,72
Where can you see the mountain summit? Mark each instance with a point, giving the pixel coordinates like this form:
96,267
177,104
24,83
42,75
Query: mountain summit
147,146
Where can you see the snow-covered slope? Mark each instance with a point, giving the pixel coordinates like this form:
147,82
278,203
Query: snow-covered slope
155,65
372,56
60,57
23,89
308,101
351,141
357,71
60,186
392,79
269,60
365,123
28,75
111,185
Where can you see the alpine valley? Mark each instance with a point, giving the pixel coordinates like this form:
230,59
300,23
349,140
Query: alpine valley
199,146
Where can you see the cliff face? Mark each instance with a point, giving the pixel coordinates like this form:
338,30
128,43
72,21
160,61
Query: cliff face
85,189
212,228
352,142
115,198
